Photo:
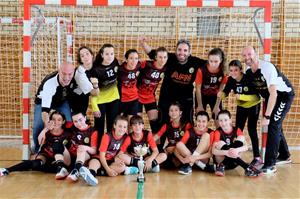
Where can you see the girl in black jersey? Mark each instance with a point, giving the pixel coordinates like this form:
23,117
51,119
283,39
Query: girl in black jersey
52,155
105,105
248,104
228,145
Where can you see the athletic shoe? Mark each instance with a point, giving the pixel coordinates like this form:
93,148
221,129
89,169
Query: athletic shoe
87,176
268,170
131,170
185,169
3,172
256,162
155,169
251,171
62,173
73,176
280,161
209,168
200,164
220,170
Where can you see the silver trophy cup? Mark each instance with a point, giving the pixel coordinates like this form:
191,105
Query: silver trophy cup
141,151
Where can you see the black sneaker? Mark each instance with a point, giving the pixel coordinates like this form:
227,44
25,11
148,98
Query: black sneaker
185,169
220,170
251,171
268,169
256,162
210,168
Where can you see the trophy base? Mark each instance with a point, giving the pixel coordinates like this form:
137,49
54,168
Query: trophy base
140,179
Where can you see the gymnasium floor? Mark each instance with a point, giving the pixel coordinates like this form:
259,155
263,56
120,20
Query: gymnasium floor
166,184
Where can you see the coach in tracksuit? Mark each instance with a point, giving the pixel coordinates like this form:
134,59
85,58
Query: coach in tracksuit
278,92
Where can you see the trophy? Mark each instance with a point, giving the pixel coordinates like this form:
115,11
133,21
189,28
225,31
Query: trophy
141,151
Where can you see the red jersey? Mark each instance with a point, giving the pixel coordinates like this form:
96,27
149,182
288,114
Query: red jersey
87,137
192,139
211,81
127,82
228,138
174,133
111,145
146,140
50,139
149,79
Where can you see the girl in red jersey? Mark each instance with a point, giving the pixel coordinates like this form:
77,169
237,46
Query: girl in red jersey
172,130
228,145
52,154
194,147
210,81
83,147
151,74
127,83
141,137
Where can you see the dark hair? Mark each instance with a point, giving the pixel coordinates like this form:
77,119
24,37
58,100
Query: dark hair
176,103
56,112
220,53
78,53
202,113
120,117
225,112
99,59
128,52
236,63
183,41
136,119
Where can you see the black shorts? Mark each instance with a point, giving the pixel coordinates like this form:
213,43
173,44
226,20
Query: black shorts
148,107
211,101
102,171
129,108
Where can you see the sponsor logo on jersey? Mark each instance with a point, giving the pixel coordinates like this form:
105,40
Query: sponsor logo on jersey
246,89
191,70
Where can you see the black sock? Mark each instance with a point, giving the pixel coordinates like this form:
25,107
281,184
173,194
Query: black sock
134,162
22,166
93,172
241,162
154,124
78,165
59,164
154,163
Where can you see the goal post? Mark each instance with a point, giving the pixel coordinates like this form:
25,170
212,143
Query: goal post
206,23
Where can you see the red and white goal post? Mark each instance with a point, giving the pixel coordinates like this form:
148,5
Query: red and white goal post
206,23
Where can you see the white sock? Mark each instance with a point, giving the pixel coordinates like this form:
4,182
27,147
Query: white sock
198,162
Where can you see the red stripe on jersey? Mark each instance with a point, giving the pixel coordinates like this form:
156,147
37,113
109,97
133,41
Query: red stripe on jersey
225,3
100,2
26,106
194,3
131,2
162,2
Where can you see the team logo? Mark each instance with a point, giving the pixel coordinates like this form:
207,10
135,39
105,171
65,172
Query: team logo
220,79
162,75
191,70
137,73
262,78
246,89
227,141
116,69
181,133
86,140
65,142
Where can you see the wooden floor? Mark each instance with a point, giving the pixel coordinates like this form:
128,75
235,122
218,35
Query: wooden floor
166,184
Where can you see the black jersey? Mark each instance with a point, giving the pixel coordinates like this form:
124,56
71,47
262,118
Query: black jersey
114,146
141,143
228,138
194,139
211,81
106,75
179,78
244,86
52,94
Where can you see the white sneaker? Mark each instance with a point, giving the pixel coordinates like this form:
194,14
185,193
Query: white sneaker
87,176
61,174
283,161
3,172
269,170
131,170
155,169
73,176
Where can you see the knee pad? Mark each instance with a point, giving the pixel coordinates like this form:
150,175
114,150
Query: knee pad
58,148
